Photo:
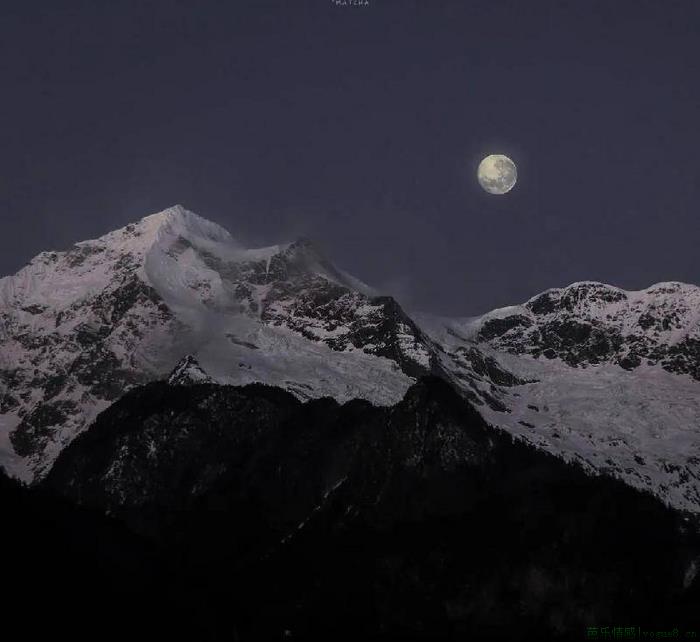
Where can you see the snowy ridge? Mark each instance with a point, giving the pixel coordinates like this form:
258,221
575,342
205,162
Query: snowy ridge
79,328
589,372
606,377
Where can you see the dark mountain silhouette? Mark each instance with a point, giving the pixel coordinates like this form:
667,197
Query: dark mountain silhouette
72,573
329,521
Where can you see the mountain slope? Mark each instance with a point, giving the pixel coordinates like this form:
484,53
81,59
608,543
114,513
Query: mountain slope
608,378
588,372
73,573
359,522
78,328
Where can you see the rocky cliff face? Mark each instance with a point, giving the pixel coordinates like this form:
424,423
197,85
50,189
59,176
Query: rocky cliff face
591,323
77,329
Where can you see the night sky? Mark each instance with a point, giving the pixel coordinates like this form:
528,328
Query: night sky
361,127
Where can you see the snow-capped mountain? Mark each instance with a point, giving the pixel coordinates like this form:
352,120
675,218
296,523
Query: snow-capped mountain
79,328
607,377
188,372
591,323
589,372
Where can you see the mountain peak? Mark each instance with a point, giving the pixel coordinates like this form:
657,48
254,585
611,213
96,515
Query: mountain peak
188,372
176,214
173,211
178,221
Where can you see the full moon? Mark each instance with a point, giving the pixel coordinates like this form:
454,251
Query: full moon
497,174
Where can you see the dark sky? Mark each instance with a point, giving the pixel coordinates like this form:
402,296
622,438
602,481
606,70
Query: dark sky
361,127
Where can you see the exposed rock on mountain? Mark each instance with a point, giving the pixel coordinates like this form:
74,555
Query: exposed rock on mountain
78,328
590,372
188,372
591,323
599,375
